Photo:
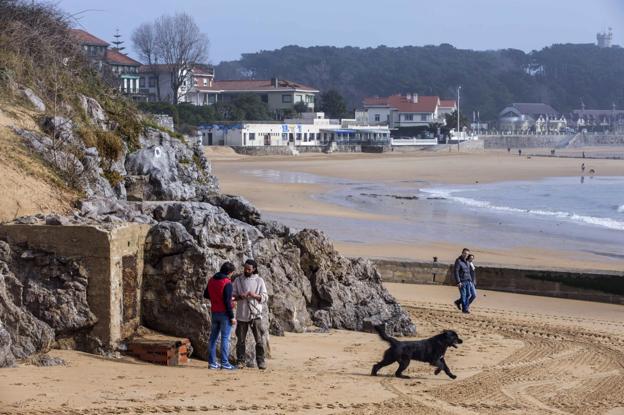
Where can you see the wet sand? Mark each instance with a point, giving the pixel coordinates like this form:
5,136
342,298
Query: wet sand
278,200
521,355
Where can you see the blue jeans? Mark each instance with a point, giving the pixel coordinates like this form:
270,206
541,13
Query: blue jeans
220,325
468,294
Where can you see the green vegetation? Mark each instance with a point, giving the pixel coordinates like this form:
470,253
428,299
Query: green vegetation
246,107
333,105
558,75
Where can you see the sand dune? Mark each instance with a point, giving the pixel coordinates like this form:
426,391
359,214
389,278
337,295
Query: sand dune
522,354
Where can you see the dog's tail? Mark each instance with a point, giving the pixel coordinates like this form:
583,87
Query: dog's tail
381,330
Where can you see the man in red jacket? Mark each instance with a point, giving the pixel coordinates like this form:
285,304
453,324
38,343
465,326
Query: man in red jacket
219,292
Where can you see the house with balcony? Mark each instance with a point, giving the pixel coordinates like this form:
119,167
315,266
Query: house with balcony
280,95
115,66
407,115
156,84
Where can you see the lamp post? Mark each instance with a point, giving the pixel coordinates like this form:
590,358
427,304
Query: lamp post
458,89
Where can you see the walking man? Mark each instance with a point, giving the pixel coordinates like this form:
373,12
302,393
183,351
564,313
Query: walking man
462,273
219,292
251,294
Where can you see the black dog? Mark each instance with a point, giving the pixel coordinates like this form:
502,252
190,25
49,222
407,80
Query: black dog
430,350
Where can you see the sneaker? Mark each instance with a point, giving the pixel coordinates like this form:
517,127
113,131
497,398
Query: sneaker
262,365
214,366
458,304
228,366
466,312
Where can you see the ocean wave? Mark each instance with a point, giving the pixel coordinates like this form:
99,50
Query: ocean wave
590,220
620,209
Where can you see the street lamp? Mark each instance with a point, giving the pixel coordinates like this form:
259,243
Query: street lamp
458,89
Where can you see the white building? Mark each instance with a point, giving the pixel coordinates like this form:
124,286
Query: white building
313,129
411,110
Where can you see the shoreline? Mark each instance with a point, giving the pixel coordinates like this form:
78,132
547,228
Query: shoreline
300,200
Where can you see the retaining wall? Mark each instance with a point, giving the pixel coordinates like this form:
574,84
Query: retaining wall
607,287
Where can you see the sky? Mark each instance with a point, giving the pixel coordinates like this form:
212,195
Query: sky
246,26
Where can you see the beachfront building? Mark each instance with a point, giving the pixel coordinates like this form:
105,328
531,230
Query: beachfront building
597,120
312,129
116,67
524,118
400,111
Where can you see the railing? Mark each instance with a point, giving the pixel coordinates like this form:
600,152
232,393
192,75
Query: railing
412,141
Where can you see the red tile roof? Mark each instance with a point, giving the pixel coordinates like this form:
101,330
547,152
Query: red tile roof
256,85
448,103
401,103
116,58
86,38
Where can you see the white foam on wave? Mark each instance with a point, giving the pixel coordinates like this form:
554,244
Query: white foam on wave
620,209
590,220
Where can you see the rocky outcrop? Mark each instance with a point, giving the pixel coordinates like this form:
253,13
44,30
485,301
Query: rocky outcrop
65,152
33,98
172,169
42,297
94,111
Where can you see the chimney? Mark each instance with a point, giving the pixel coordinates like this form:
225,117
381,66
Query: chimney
274,82
408,97
415,98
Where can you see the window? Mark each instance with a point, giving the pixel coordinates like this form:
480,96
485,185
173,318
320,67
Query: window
408,117
298,136
298,98
305,136
152,82
309,98
205,82
377,117
423,117
284,136
264,98
252,136
287,99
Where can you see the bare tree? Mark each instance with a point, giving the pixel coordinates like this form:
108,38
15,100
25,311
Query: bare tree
175,41
144,43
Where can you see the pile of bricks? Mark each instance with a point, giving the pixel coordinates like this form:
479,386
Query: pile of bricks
161,352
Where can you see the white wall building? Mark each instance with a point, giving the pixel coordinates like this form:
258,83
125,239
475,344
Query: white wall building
411,110
313,129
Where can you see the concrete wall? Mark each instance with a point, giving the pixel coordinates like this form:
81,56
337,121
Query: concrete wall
100,251
605,287
524,141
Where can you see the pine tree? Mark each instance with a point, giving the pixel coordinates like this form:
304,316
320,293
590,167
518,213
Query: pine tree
118,42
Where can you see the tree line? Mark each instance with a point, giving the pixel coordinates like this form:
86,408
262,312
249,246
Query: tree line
561,75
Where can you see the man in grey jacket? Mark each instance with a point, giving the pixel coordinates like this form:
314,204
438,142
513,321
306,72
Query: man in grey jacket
463,277
251,295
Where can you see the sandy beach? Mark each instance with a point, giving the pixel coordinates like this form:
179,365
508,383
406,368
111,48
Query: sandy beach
279,200
521,355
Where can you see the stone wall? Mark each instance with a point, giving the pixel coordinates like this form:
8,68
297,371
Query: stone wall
101,252
524,141
605,287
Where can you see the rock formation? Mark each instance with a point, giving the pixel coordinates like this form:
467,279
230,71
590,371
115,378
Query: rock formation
169,184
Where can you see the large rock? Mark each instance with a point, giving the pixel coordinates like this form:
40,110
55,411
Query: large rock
27,334
347,293
174,170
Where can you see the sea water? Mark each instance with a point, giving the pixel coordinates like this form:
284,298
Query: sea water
558,213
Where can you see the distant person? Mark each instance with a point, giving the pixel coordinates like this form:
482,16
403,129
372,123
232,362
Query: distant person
463,277
552,152
509,149
583,154
583,168
219,292
251,294
519,152
591,173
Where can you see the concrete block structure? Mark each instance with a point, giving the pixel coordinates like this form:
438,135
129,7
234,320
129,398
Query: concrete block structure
113,259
